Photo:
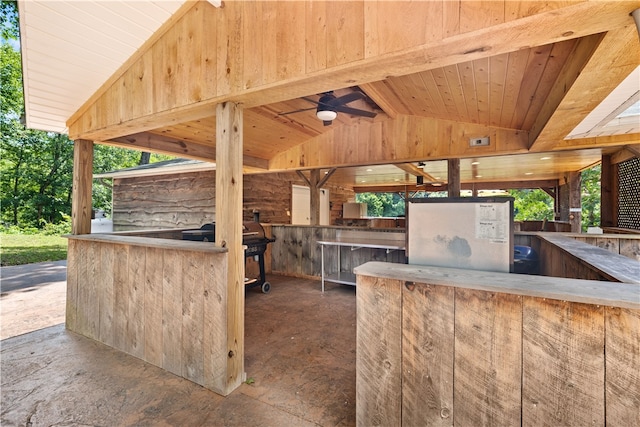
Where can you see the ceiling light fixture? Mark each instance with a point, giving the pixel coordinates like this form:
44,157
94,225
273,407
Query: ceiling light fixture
326,115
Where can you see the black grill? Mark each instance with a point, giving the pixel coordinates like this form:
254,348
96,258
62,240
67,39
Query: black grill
254,240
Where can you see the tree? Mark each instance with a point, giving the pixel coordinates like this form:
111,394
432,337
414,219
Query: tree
590,195
36,167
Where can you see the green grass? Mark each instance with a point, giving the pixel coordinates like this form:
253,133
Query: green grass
17,249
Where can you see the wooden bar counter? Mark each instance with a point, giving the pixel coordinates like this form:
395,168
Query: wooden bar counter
161,300
441,346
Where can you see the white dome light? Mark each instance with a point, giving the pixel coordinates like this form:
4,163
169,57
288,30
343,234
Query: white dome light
326,115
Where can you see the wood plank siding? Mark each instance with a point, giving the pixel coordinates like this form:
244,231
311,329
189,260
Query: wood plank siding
187,200
163,301
442,346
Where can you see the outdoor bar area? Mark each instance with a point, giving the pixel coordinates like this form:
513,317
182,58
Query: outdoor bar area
443,96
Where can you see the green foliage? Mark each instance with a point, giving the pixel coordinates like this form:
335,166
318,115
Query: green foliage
532,205
9,20
36,167
590,195
18,249
382,204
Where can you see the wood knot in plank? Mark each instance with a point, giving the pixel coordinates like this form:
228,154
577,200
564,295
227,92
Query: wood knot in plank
410,285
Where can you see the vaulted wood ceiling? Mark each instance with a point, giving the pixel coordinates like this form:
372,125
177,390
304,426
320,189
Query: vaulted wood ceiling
522,73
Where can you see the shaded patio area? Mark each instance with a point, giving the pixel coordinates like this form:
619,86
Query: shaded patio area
300,363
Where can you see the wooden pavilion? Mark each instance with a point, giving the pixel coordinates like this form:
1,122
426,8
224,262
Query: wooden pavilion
453,93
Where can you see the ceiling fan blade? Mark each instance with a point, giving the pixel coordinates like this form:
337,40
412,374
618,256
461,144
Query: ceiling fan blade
345,99
313,101
354,111
296,111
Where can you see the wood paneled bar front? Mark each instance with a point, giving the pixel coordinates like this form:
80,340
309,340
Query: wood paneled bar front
441,346
161,300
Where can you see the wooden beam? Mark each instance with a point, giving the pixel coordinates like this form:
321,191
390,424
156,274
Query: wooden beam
314,196
81,202
576,61
148,141
304,177
415,170
626,153
598,141
615,57
498,185
575,202
229,232
571,21
401,140
453,177
326,177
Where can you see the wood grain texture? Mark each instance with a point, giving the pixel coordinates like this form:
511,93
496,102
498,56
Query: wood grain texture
135,301
214,340
153,306
563,373
622,366
229,127
121,294
106,293
427,355
193,318
71,304
379,352
488,358
172,275
81,205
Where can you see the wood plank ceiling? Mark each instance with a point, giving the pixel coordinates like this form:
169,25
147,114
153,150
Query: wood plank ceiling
524,92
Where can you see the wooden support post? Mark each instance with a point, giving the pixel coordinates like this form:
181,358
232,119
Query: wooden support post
229,231
575,202
453,179
314,194
81,204
608,193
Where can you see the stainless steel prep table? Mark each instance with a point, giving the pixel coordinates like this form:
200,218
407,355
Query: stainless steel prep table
347,277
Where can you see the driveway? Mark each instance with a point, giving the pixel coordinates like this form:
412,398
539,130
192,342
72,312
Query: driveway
32,297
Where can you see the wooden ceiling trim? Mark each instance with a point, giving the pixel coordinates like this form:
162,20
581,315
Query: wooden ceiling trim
598,141
405,139
628,152
571,21
614,58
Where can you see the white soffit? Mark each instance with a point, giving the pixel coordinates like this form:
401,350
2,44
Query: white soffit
609,117
70,48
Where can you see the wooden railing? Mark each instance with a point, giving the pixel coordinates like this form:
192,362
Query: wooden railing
439,346
163,301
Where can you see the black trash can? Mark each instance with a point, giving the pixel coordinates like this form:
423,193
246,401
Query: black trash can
525,260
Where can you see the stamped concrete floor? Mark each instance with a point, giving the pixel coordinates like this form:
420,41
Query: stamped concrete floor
299,359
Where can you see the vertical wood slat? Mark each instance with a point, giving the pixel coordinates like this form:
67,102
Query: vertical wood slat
153,307
106,293
427,355
120,292
172,268
193,318
378,352
563,363
135,341
622,359
488,358
214,341
71,315
163,306
91,283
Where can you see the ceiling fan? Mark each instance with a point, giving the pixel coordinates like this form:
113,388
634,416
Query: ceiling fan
328,106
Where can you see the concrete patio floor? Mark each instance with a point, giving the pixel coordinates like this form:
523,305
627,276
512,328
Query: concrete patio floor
299,358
